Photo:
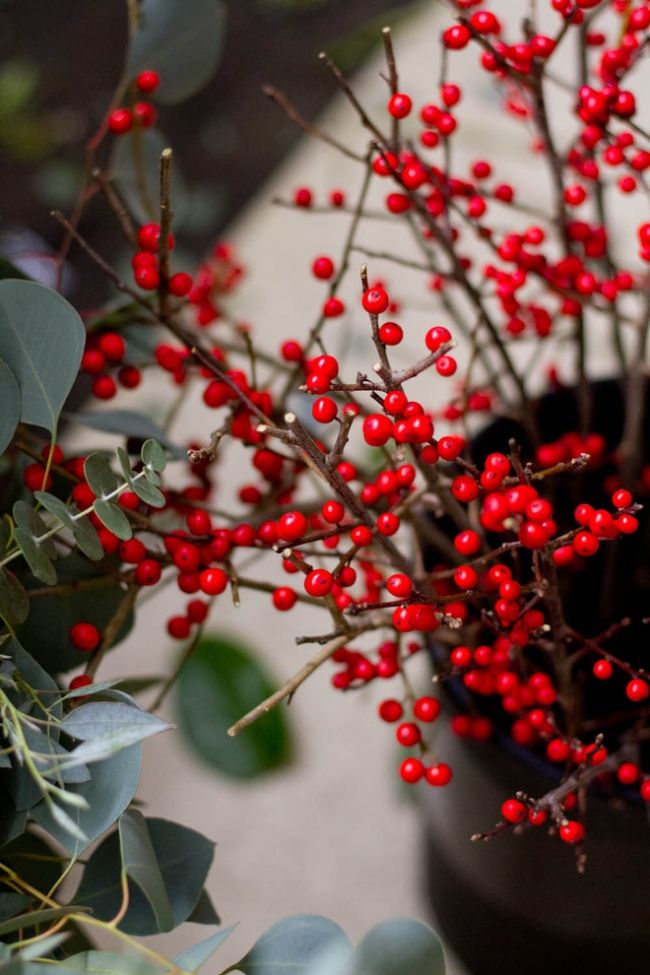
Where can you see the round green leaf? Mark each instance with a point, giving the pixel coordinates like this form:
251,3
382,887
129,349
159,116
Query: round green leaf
9,405
400,946
182,41
114,518
40,330
217,685
153,455
293,944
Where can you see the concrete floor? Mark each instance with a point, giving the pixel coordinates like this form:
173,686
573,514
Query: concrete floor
333,834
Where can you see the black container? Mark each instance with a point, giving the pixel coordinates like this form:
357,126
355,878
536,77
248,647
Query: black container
516,905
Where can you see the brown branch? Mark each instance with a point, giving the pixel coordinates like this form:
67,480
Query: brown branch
294,115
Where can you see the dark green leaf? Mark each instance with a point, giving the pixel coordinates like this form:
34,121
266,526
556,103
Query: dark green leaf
153,455
183,42
14,601
12,822
114,518
12,904
129,424
108,793
217,685
39,328
45,633
30,521
35,557
184,857
9,405
99,475
140,863
5,532
291,945
204,912
36,862
37,677
192,958
106,728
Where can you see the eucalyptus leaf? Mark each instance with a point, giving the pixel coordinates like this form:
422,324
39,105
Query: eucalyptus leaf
35,557
184,857
83,532
108,793
140,863
37,677
30,521
14,601
33,918
203,911
40,329
106,728
183,42
292,945
148,492
153,455
114,518
11,904
192,958
219,683
10,403
400,946
112,963
99,475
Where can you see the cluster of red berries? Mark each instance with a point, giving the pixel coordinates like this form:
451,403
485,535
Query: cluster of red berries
146,272
104,352
142,113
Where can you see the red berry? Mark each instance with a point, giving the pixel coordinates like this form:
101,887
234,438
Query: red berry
148,572
180,284
467,542
399,105
318,582
147,81
34,478
292,526
324,409
399,585
81,680
426,708
572,832
284,598
446,365
439,774
129,377
144,114
457,37
628,773
303,197
390,333
112,346
104,387
178,627
323,268
411,770
513,811
390,710
213,581
85,636
408,734
637,690
120,121
377,429
602,669
375,300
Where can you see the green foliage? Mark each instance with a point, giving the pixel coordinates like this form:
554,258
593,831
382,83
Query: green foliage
183,42
9,405
219,683
39,327
291,945
182,858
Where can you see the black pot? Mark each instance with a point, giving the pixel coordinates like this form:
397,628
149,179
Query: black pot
516,905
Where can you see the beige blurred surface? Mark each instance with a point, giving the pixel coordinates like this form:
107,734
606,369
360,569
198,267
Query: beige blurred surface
332,834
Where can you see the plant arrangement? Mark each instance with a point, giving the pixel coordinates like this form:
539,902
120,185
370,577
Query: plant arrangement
500,533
